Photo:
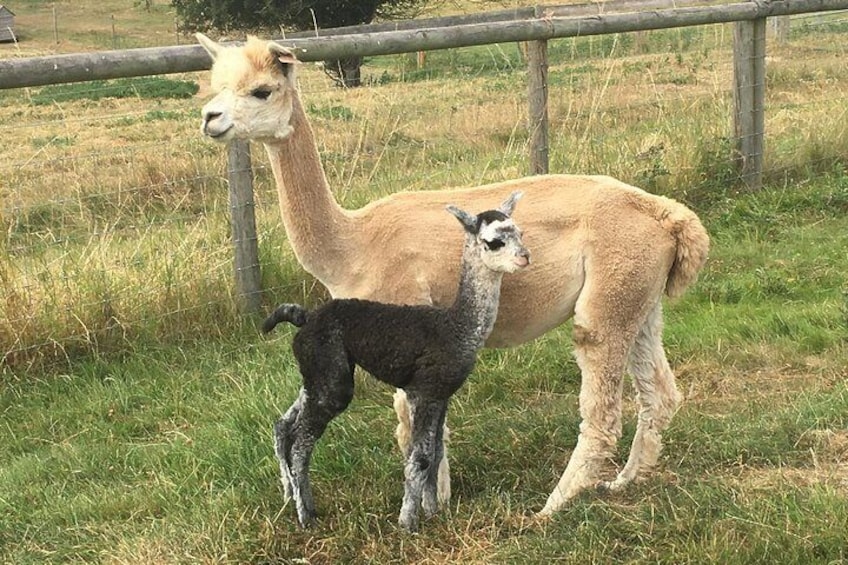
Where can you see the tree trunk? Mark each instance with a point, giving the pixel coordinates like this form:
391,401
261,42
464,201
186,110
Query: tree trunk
346,72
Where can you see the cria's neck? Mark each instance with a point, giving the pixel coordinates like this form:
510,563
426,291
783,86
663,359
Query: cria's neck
476,306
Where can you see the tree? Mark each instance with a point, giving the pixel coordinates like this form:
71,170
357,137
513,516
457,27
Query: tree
273,15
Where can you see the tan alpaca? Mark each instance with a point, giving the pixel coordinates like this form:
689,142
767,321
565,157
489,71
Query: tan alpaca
604,252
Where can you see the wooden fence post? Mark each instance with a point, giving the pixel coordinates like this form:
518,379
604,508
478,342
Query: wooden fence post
780,26
749,75
242,216
537,83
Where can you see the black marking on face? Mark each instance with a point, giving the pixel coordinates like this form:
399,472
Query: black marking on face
490,216
494,244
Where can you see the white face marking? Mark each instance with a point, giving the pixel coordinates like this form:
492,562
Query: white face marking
492,231
511,254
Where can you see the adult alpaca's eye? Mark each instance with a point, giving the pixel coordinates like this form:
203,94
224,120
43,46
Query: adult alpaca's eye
494,244
261,93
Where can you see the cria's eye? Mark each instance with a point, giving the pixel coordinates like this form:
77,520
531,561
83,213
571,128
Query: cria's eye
261,93
494,244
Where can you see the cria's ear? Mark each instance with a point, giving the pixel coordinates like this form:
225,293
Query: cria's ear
508,205
284,56
211,47
468,221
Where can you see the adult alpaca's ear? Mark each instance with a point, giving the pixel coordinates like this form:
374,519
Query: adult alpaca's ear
508,205
284,56
211,47
468,221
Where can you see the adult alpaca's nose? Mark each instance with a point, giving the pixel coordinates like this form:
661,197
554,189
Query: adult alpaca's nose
215,123
209,116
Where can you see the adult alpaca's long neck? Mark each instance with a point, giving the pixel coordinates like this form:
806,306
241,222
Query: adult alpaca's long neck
476,306
317,227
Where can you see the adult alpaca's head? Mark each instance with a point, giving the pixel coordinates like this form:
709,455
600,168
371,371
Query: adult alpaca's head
255,89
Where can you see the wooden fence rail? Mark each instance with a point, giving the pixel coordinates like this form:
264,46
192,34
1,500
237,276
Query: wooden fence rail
535,25
39,71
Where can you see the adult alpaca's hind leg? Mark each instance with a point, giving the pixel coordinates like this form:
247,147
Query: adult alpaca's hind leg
621,288
403,433
602,368
657,395
607,317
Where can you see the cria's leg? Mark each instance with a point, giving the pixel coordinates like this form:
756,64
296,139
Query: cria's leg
443,485
657,395
426,418
404,435
283,441
429,498
321,400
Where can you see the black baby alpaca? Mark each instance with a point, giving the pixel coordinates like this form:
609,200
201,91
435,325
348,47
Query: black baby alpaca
425,350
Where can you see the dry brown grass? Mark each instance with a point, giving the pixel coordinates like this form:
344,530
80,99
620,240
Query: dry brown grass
93,190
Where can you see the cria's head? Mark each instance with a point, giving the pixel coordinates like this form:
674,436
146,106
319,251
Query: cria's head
255,88
496,236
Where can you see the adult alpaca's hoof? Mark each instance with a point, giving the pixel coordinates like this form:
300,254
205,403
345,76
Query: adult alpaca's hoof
543,515
609,487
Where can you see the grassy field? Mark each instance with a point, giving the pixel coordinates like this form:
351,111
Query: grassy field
137,403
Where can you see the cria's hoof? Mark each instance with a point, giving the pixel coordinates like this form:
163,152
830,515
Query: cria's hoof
287,491
307,522
429,506
603,487
409,525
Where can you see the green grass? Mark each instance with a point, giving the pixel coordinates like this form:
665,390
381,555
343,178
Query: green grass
148,88
166,452
137,403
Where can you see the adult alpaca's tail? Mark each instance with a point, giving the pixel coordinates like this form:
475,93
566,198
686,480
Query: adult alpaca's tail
693,245
291,313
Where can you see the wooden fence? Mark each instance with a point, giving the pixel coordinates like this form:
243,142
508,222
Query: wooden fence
535,25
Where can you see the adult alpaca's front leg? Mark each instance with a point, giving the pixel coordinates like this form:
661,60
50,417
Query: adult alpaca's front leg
403,433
